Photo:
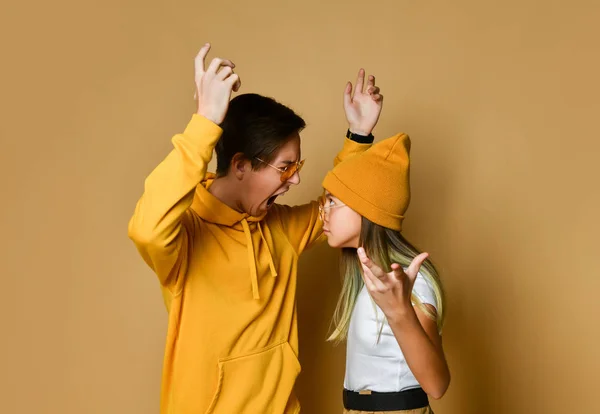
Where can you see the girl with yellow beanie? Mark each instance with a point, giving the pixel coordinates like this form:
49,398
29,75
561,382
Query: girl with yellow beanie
391,307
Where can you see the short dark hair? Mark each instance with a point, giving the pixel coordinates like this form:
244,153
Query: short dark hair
256,126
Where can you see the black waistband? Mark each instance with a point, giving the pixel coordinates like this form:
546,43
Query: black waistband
386,401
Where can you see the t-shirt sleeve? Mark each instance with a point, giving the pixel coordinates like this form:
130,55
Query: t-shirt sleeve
423,290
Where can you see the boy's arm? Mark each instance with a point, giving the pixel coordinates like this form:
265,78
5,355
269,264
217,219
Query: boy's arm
302,224
162,225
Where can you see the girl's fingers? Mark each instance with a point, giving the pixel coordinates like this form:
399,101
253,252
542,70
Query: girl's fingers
376,270
368,280
362,255
415,265
397,272
376,284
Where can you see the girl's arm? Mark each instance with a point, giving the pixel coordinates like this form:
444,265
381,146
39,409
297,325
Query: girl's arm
415,332
417,335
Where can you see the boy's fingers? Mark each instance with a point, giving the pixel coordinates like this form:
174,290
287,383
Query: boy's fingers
216,64
371,81
348,94
360,82
201,56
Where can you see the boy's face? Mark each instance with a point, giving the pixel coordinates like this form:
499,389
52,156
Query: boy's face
263,185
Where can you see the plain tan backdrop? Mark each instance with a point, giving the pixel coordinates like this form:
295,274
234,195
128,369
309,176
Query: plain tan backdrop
501,100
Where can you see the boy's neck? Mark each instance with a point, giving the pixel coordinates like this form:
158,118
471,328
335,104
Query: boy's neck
228,191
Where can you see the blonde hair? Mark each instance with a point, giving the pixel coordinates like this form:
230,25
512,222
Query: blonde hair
385,247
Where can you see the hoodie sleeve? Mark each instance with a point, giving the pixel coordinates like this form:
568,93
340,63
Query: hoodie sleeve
162,224
302,223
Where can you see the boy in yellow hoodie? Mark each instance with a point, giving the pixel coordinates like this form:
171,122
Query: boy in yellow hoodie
225,253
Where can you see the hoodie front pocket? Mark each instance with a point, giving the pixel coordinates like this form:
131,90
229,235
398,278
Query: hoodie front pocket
261,382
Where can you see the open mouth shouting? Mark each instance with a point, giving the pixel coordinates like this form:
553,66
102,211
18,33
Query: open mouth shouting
271,200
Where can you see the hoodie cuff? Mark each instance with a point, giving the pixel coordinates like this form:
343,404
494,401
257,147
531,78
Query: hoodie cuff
201,126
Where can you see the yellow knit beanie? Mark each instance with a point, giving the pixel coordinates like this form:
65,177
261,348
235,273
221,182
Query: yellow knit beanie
375,183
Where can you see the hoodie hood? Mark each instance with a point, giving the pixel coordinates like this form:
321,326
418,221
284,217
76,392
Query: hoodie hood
213,210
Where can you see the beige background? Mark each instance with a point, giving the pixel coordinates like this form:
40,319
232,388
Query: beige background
501,100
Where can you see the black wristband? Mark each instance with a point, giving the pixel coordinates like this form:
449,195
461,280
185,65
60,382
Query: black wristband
361,139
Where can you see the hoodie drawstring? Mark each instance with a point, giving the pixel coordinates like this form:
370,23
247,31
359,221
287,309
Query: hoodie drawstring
252,260
271,263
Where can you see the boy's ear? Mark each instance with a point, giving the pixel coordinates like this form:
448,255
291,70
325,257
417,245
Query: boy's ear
240,165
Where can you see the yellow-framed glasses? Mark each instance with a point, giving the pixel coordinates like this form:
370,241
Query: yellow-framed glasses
325,209
288,171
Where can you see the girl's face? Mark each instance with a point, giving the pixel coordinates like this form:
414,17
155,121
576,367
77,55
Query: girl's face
342,225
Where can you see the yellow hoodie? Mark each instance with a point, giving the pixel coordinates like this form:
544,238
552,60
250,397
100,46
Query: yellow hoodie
229,284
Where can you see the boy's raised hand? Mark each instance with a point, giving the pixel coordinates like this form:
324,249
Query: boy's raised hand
214,85
364,106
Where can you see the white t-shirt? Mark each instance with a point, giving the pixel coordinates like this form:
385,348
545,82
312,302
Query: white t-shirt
379,366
